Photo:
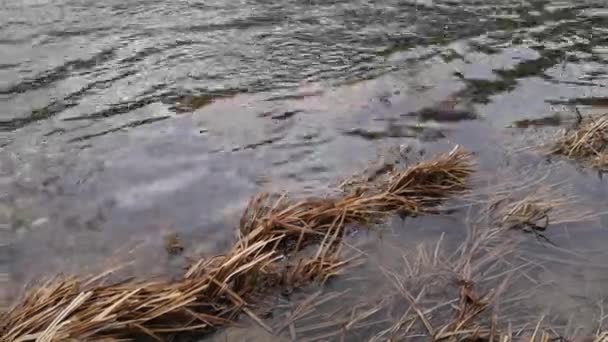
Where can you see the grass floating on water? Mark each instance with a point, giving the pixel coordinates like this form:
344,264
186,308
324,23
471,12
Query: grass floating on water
587,142
214,291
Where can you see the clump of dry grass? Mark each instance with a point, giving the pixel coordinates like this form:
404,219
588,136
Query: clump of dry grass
215,291
587,142
93,308
211,294
411,191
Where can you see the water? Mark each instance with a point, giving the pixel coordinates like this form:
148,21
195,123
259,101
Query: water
121,121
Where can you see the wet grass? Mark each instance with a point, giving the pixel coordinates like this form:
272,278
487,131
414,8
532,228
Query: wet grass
214,291
586,143
474,289
439,293
584,101
436,292
477,287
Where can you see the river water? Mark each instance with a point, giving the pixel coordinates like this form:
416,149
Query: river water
123,120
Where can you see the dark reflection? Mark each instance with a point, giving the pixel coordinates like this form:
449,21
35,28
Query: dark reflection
445,111
116,109
59,73
255,145
398,131
286,115
551,121
298,96
585,101
58,106
442,115
133,124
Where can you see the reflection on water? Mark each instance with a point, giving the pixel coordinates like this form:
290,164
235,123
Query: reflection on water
122,121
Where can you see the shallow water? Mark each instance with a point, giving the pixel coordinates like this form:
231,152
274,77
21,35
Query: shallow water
123,121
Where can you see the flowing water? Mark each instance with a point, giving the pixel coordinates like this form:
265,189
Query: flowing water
123,120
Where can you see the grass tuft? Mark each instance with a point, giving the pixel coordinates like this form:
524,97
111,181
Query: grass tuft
587,142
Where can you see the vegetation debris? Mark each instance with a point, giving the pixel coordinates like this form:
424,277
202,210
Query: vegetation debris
214,291
587,142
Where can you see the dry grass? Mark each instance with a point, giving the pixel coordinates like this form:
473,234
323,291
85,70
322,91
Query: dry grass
412,191
479,290
215,291
588,142
94,308
438,293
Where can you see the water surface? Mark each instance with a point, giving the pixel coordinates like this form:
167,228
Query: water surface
121,121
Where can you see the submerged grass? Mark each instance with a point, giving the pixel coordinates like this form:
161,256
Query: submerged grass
481,288
214,291
437,292
536,208
587,142
533,199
